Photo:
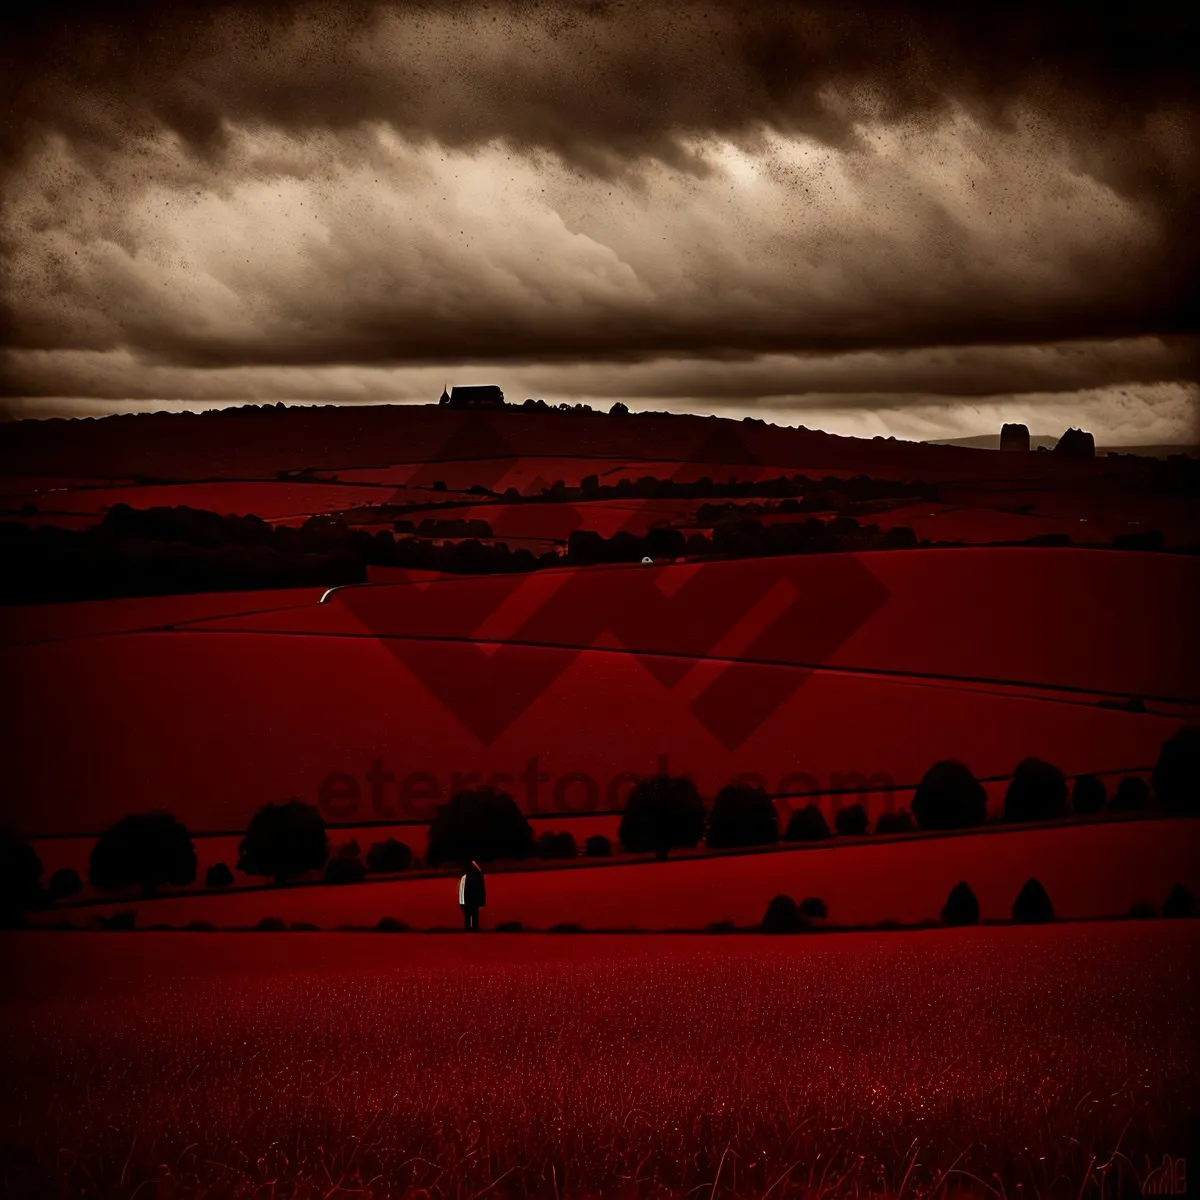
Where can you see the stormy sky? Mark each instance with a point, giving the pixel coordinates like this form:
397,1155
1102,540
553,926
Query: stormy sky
878,220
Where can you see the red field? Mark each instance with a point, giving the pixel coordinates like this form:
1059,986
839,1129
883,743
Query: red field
1034,1061
268,499
954,655
1089,871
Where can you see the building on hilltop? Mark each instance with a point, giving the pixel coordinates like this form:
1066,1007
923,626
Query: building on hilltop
483,395
1014,437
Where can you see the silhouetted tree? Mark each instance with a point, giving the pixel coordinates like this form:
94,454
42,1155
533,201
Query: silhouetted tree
384,858
742,816
961,907
391,925
149,849
1142,911
65,882
1132,794
949,797
1176,777
1179,903
1032,905
1076,443
619,410
218,876
813,907
597,846
345,865
283,841
900,822
662,813
852,821
20,878
806,824
481,824
1036,792
118,921
556,845
782,916
1088,795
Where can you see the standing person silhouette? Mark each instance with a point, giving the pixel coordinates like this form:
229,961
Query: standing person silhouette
472,895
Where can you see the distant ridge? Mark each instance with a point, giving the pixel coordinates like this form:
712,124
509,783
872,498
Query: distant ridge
991,441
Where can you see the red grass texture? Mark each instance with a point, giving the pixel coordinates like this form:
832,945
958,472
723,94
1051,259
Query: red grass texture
1015,1062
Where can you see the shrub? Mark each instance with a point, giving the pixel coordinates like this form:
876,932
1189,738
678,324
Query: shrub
20,878
391,925
949,797
720,927
852,821
1179,903
304,927
900,822
1142,911
481,825
65,882
1032,905
566,927
1036,792
961,907
556,845
742,816
782,916
1176,776
346,865
806,824
271,925
813,907
1131,795
597,846
218,876
510,927
120,921
388,856
150,849
1088,795
662,813
200,927
284,841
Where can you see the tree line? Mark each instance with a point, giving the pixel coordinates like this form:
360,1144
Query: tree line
289,840
170,551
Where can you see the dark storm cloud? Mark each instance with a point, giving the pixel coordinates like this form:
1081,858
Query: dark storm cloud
142,143
591,81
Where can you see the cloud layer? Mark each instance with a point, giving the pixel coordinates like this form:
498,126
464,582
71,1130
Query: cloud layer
763,206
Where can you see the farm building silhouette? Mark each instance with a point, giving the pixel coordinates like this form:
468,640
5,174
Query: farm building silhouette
483,395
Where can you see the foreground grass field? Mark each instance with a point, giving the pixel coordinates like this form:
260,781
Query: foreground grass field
1007,1062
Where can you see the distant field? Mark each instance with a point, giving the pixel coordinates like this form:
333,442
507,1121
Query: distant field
136,718
880,1065
268,499
1089,871
598,676
91,618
